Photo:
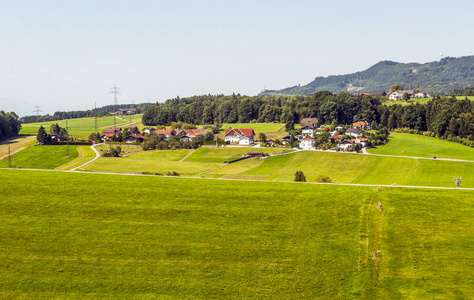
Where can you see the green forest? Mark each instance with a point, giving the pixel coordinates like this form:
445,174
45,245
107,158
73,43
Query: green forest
442,117
10,125
437,77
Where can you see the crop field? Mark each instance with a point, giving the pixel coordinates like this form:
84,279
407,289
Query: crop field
16,145
42,157
83,127
404,144
174,238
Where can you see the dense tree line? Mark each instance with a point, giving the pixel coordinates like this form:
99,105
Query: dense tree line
446,118
10,125
101,111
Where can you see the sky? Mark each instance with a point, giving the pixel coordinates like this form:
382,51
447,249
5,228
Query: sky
67,55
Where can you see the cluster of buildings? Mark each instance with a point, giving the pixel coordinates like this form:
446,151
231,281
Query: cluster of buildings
396,95
185,135
309,130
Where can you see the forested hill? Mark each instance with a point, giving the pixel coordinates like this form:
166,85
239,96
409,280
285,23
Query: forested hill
434,77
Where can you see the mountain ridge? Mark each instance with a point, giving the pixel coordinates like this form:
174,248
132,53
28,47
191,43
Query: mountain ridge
434,77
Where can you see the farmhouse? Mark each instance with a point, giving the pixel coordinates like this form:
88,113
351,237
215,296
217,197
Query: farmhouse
57,137
397,95
148,130
126,111
135,138
112,130
361,124
335,138
308,130
240,136
353,132
345,144
167,132
309,122
307,144
193,133
362,141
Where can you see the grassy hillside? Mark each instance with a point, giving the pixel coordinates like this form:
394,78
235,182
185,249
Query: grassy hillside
42,157
83,127
85,154
404,144
128,237
433,77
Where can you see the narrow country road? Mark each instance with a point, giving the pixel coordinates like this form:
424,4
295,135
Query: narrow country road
97,155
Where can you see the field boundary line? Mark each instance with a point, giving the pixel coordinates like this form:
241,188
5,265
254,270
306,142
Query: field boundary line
251,180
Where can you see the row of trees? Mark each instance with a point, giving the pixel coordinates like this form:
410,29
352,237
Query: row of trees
442,117
10,125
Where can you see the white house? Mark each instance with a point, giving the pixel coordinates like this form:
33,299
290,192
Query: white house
421,94
345,144
338,128
307,130
362,141
396,95
307,144
148,130
353,132
240,136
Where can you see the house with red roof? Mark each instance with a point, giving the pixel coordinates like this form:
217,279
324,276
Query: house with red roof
135,138
307,144
240,136
361,124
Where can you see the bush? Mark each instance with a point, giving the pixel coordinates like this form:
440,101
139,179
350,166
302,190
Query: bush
299,176
325,179
172,173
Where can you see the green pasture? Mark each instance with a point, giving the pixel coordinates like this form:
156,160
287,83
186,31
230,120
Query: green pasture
158,161
42,157
421,101
145,237
85,154
81,128
404,144
221,155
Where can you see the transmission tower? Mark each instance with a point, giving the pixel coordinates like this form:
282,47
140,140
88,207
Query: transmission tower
67,140
115,91
37,109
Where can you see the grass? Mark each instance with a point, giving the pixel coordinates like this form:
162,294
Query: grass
85,154
81,128
421,101
42,157
174,238
221,155
404,144
158,161
16,144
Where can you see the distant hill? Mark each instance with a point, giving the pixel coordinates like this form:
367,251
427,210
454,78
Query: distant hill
434,77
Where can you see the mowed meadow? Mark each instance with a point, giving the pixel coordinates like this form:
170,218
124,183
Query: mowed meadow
89,236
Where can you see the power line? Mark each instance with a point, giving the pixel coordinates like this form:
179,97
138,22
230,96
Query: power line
115,91
37,109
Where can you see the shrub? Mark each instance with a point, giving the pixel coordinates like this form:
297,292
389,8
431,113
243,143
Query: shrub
299,176
322,178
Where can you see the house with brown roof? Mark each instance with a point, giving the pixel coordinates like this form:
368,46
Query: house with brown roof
240,136
167,132
309,122
135,138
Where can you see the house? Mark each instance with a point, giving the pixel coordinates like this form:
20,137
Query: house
193,133
309,122
148,130
167,132
307,144
397,95
362,141
240,136
308,130
135,138
361,124
345,144
126,111
420,95
112,130
353,132
338,128
57,137
334,139
285,140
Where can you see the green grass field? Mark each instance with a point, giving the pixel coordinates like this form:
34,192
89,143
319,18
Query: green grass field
404,144
143,237
83,127
85,154
220,155
421,101
42,157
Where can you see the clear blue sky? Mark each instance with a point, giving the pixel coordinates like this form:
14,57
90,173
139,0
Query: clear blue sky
66,55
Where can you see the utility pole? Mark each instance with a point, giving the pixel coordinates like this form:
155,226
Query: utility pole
9,158
67,140
95,114
115,91
37,109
